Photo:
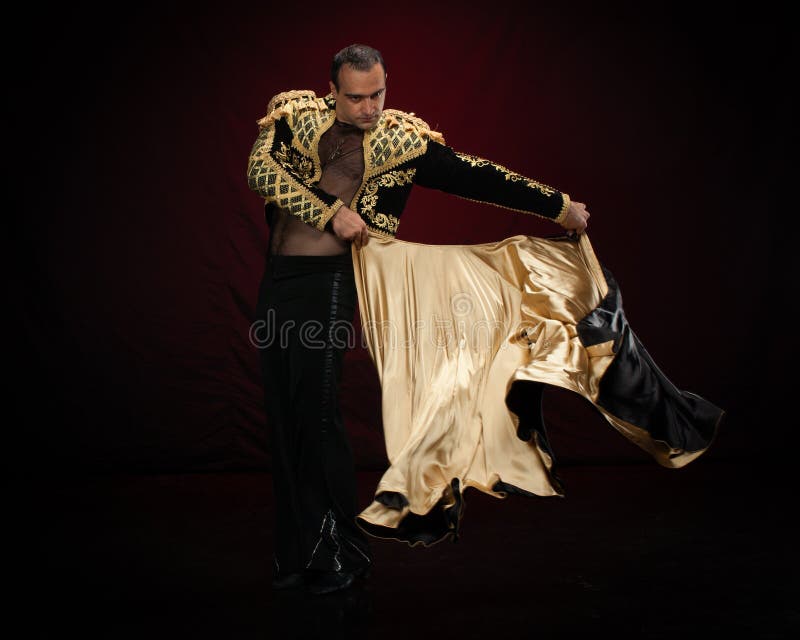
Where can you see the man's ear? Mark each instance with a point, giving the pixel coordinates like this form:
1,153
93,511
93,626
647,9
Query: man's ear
332,87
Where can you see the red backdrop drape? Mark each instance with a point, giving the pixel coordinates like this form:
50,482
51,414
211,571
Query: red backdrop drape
137,247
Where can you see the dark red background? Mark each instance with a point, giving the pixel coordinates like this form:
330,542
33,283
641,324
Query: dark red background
137,247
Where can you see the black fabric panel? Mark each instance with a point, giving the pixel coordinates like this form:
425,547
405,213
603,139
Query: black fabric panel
634,389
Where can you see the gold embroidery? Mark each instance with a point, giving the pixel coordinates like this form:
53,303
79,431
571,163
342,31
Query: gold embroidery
295,161
365,150
391,147
313,126
308,117
385,222
306,126
383,234
262,145
271,181
391,179
396,178
410,121
475,161
289,96
397,138
565,201
369,200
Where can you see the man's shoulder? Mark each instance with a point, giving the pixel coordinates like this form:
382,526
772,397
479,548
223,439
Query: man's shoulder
293,102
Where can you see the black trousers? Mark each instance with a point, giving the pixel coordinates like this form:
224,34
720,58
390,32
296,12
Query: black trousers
305,312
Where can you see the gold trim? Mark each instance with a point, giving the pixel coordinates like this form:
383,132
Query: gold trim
319,208
326,216
286,96
513,176
423,127
564,208
502,206
324,121
369,199
295,160
381,221
365,150
414,153
394,128
380,233
390,119
310,115
261,149
661,451
592,263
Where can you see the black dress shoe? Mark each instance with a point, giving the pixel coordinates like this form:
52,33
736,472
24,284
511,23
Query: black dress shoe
288,581
329,581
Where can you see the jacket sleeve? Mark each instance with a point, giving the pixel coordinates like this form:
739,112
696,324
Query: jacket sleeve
481,180
280,174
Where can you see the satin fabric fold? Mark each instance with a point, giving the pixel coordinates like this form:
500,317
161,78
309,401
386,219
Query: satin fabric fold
464,339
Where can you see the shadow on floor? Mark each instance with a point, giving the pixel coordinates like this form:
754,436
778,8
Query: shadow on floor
634,551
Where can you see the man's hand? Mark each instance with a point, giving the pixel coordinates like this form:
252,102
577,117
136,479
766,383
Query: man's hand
348,225
577,218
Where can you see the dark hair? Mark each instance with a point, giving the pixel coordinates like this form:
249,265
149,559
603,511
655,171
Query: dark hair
359,56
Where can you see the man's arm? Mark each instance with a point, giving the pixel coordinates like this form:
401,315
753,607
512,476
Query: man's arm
277,171
481,180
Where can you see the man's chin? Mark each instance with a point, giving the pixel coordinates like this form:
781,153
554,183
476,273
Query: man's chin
366,124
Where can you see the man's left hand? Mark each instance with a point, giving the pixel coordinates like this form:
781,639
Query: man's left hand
577,218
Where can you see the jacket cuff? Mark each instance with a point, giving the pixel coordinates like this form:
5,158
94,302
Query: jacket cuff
564,208
328,213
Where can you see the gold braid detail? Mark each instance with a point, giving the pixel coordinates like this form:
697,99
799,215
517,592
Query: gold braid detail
383,221
291,103
475,161
411,122
287,96
295,161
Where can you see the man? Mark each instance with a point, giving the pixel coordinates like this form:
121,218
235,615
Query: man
332,171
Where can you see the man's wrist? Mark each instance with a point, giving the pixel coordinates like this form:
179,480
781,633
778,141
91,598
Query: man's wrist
327,220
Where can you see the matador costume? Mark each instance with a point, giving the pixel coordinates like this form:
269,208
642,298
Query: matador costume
464,338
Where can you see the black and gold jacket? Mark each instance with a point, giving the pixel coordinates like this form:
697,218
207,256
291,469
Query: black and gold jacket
399,151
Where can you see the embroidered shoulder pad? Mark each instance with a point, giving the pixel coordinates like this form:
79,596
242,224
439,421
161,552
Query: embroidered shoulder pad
410,122
289,102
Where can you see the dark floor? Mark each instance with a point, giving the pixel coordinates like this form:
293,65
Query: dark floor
633,551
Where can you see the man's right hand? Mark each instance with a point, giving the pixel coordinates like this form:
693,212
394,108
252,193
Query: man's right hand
348,225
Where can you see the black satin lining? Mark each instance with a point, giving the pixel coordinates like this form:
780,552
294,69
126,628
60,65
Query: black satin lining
524,398
504,487
392,499
439,523
635,390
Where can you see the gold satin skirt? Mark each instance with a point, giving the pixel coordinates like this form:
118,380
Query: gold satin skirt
450,329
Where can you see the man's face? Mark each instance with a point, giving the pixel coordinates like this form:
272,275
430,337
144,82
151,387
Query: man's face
359,100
